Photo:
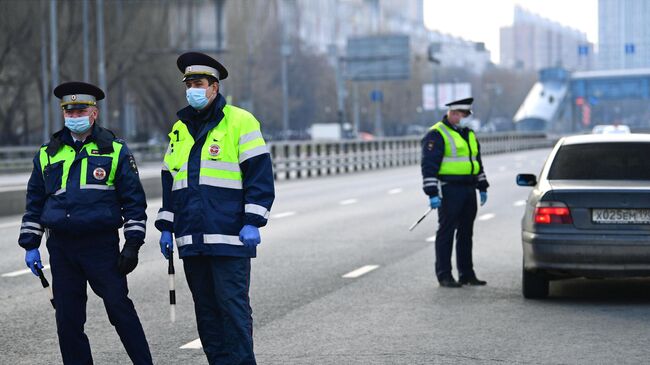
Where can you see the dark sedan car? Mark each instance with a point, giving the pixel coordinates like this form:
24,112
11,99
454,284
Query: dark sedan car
588,215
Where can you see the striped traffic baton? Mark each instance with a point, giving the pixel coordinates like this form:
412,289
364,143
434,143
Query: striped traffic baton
45,284
421,219
172,289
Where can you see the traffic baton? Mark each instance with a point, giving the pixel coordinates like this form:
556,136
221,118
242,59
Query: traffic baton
172,289
45,283
421,219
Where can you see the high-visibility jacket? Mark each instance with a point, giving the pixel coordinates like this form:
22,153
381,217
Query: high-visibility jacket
215,181
460,155
87,191
451,155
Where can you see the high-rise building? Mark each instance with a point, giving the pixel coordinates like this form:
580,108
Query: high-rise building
623,34
533,43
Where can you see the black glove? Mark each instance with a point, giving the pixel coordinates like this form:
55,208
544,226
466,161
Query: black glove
128,259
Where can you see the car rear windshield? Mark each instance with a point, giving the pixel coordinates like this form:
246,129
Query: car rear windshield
602,161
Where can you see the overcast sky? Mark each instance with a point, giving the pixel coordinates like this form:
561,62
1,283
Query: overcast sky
480,20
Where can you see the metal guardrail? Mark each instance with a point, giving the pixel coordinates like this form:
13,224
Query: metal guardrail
300,159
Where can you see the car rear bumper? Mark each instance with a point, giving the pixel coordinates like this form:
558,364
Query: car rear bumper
587,255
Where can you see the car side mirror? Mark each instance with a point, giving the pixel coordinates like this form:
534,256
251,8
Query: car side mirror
526,180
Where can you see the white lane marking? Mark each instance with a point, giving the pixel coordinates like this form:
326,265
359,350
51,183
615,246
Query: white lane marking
360,271
502,168
486,217
395,191
348,201
194,345
21,272
431,239
282,215
519,203
10,224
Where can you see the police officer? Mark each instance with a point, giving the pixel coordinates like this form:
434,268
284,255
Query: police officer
217,191
83,188
451,171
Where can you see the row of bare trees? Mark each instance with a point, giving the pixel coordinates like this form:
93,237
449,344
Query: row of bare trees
141,46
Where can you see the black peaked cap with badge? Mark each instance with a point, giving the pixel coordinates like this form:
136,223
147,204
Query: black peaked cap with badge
462,104
78,95
196,65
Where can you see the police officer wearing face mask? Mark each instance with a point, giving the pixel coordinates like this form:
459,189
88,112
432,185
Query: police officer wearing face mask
83,188
217,192
452,171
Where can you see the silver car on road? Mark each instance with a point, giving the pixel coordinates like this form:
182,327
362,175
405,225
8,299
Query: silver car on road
588,214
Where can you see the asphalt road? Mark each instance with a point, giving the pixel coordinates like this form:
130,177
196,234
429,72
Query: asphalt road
312,305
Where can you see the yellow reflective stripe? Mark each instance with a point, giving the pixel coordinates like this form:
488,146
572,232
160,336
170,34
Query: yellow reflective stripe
117,148
84,172
221,174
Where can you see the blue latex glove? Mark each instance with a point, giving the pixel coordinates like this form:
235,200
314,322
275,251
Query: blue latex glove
250,236
166,243
483,195
435,202
33,256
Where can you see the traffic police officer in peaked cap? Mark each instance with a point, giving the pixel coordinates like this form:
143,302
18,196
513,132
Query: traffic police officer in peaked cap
83,188
451,171
217,192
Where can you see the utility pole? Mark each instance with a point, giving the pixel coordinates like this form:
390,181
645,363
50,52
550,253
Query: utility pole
285,52
44,79
54,64
101,68
85,35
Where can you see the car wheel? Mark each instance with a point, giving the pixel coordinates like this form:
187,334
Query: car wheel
534,285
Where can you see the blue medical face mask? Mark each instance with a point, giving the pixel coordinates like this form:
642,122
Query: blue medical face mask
196,97
78,125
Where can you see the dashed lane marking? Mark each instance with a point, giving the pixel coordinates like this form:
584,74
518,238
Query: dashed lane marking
194,345
431,239
395,191
519,203
21,272
486,217
282,215
348,201
360,271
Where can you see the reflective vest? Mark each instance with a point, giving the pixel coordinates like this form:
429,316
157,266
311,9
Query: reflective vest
460,157
97,170
221,153
210,196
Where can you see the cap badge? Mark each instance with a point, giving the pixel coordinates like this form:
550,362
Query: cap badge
214,150
99,173
73,97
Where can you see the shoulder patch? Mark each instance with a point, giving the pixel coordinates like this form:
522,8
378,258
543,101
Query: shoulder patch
132,164
430,145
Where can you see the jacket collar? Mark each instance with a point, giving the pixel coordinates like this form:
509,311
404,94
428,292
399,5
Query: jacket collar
103,137
211,116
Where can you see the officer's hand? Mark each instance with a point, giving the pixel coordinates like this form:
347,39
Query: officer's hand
435,202
33,256
250,236
166,243
483,195
128,259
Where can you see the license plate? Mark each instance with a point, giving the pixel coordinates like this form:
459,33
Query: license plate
620,216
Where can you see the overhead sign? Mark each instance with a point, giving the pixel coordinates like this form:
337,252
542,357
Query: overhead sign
447,93
381,57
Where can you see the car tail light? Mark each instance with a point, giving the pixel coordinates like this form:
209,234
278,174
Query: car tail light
552,213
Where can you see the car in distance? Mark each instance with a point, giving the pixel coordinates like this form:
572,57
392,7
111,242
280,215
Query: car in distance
588,214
